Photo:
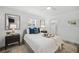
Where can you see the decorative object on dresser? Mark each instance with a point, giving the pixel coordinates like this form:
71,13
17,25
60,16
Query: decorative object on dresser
13,26
11,39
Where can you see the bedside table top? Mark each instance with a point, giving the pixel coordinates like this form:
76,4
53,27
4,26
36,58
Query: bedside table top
13,34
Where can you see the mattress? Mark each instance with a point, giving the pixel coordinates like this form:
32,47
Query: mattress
40,44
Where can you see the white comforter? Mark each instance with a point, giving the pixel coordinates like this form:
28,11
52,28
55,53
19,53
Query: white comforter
40,44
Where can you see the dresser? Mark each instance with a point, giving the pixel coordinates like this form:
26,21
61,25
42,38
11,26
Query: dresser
11,39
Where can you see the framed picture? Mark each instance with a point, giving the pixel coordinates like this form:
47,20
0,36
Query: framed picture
10,20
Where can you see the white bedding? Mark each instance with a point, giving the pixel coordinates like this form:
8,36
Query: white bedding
40,44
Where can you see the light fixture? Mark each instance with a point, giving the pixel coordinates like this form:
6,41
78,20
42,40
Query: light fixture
49,8
43,27
13,26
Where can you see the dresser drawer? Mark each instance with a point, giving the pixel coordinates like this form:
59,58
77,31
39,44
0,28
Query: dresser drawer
12,39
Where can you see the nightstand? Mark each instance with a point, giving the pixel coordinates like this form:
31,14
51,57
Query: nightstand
11,39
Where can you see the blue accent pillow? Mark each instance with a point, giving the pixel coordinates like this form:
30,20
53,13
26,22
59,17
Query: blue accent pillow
38,30
30,31
34,30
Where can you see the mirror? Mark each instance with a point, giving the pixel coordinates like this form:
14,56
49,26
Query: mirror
42,22
12,20
53,27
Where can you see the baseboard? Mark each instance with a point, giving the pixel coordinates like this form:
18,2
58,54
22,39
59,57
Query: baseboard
71,42
3,48
76,44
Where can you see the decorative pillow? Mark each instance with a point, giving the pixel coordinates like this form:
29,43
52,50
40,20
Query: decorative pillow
31,31
38,30
27,31
34,30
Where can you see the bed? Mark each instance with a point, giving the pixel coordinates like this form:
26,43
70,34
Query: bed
40,44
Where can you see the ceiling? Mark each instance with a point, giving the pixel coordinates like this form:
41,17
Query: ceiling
42,11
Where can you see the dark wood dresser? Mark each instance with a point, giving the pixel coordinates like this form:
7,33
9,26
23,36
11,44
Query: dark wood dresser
11,39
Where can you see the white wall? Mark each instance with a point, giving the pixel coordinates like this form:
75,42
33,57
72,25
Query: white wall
67,31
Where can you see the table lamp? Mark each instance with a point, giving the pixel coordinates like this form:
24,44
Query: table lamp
13,26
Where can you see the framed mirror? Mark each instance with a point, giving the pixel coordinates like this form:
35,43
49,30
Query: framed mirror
42,22
53,27
12,21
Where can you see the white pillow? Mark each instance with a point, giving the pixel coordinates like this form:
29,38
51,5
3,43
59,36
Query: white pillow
28,31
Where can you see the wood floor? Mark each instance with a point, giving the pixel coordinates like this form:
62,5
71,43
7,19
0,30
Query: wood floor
67,48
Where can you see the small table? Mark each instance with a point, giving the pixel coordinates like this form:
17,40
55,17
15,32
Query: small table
11,39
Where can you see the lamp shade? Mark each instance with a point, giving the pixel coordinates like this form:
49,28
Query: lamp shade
42,26
12,26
